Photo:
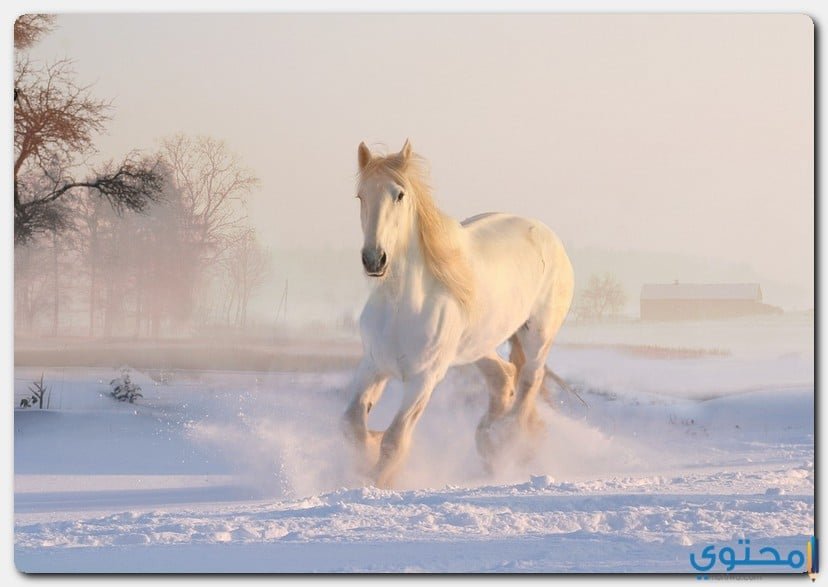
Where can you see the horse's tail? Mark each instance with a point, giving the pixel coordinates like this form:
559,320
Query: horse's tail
547,395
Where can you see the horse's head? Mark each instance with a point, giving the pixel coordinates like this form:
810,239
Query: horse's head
386,208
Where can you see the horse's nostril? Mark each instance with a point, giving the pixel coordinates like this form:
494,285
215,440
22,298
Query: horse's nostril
373,259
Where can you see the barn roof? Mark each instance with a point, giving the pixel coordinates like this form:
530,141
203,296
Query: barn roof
701,291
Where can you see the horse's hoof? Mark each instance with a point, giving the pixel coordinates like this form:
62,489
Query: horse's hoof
510,438
383,479
372,446
534,426
493,438
365,451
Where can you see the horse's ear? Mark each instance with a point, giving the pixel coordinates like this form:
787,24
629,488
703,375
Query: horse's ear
406,150
364,156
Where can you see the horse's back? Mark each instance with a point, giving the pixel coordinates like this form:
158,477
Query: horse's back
522,272
499,233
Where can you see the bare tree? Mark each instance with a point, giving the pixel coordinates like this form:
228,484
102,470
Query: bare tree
163,262
246,265
603,296
28,28
31,285
55,120
213,186
91,225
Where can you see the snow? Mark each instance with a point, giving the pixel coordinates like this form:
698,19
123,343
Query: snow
243,471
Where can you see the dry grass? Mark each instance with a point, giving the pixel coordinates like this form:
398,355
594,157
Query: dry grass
649,351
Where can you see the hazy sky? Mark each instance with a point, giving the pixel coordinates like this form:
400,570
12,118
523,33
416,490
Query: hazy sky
690,134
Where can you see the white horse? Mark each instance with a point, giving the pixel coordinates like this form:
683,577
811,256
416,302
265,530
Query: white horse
449,293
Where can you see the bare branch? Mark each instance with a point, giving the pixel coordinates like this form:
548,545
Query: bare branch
132,185
29,28
53,114
213,185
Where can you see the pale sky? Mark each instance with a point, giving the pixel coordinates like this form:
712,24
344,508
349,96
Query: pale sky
688,134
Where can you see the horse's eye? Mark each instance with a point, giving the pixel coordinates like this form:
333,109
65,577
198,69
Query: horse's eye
400,196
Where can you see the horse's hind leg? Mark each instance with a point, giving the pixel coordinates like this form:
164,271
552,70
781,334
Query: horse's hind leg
535,340
516,356
500,379
529,385
518,359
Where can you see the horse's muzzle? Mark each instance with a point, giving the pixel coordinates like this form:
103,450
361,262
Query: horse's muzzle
375,261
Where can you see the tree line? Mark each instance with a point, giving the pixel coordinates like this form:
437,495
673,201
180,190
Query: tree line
141,246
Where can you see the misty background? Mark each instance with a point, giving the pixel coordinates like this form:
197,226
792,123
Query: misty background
659,148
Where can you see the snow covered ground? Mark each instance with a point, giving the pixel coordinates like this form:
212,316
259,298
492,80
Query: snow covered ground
223,471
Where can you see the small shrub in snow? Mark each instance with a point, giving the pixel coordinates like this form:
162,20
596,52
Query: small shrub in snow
123,389
38,391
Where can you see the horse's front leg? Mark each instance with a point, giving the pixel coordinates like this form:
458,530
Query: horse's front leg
366,389
397,438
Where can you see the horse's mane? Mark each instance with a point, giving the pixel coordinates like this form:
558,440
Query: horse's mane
438,232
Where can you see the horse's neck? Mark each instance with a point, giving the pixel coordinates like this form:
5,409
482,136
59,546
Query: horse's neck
409,281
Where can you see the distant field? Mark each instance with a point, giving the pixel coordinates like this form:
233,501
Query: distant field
295,355
773,336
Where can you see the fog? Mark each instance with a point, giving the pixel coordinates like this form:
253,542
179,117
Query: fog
659,148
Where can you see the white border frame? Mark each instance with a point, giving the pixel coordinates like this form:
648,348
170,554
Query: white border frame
816,9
